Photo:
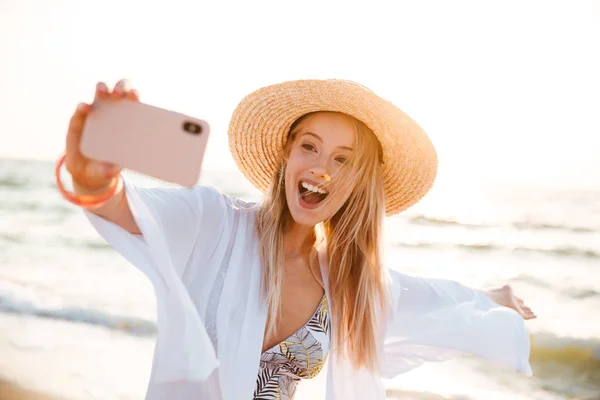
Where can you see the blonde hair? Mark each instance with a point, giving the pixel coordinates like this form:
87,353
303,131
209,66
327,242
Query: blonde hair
356,276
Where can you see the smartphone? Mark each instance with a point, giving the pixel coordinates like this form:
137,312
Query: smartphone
153,141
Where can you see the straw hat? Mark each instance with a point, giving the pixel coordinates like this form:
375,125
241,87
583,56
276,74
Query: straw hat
261,122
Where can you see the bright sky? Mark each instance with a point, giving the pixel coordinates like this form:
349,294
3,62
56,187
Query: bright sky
507,91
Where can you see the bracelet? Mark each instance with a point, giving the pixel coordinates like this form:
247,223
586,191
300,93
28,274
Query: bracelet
85,201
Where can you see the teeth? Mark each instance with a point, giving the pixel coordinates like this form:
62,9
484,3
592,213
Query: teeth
313,188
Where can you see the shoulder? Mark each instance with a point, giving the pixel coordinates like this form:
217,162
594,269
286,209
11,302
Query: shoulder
214,204
190,202
211,199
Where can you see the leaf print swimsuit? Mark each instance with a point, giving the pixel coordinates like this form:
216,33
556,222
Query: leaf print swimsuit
300,356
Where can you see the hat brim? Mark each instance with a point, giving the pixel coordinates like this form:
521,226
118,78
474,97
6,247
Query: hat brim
261,122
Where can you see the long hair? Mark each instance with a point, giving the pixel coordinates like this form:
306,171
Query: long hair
356,276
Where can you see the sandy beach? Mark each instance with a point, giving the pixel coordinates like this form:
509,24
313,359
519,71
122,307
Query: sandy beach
49,359
60,360
12,391
44,358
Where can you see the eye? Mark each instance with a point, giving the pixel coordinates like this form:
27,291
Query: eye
341,160
308,147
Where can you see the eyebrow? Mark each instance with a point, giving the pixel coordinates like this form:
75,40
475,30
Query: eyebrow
321,140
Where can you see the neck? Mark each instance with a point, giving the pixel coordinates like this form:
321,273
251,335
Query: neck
299,240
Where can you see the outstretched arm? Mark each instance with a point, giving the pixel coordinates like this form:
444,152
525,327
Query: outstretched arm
439,319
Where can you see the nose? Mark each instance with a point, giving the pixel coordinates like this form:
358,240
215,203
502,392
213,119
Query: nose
320,174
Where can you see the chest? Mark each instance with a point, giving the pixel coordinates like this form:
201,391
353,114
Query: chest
301,296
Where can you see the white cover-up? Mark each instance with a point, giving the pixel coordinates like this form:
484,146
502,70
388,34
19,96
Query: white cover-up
199,250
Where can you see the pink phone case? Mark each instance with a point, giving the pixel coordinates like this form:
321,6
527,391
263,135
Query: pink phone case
160,143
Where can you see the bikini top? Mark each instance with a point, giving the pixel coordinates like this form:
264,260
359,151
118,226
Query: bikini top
300,356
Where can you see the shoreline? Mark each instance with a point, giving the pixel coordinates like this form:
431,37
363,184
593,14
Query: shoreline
47,359
66,360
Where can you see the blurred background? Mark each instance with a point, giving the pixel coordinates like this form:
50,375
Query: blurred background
509,92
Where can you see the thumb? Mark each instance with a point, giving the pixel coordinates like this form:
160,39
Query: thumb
102,171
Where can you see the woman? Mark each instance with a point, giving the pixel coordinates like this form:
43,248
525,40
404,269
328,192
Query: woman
277,288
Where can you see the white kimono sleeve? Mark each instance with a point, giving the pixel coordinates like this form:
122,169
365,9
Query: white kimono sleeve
436,319
175,222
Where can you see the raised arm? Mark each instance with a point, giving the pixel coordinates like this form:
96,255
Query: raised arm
170,235
91,177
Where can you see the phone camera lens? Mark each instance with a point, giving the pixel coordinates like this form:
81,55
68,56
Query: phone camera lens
192,127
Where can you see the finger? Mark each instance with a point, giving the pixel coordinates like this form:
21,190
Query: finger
101,91
518,308
526,312
76,125
75,160
526,309
122,87
133,95
529,315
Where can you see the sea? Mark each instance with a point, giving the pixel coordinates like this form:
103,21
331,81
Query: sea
545,242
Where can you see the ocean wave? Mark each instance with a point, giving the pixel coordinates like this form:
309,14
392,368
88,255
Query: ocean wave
563,251
60,209
132,325
564,363
581,293
439,221
547,226
11,182
576,293
519,225
91,244
11,238
532,280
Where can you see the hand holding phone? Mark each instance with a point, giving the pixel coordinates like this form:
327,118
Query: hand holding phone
89,175
119,131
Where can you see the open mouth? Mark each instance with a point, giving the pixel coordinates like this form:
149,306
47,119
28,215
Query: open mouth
311,194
